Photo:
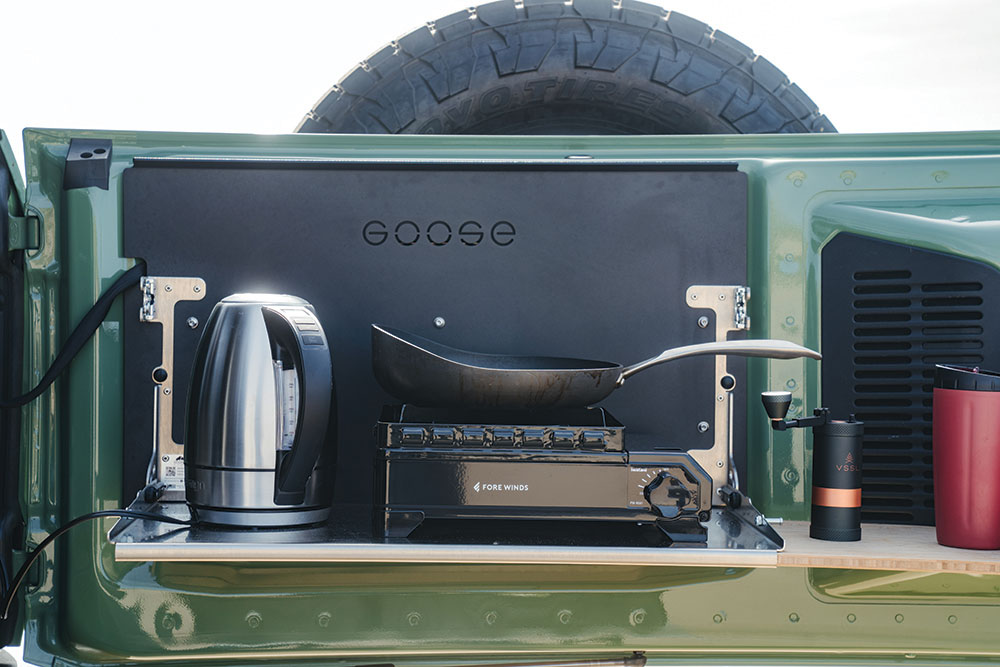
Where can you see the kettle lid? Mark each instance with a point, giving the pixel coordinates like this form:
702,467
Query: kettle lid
263,298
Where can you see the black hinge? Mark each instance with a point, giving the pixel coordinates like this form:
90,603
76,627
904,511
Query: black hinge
24,232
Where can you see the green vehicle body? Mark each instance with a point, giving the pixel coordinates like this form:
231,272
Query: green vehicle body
936,191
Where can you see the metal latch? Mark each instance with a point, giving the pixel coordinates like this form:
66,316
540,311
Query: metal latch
24,232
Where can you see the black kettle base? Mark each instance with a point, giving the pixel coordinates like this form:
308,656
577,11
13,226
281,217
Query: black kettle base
244,518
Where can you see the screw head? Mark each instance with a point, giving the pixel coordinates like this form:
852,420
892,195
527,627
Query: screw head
703,427
439,322
192,322
703,322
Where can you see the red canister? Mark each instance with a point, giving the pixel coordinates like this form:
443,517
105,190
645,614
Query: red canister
967,457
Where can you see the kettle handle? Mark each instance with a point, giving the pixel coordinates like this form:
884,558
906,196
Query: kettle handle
311,355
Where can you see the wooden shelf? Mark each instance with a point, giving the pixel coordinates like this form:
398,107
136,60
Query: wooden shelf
882,547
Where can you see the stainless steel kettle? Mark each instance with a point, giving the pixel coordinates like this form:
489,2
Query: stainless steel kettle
261,415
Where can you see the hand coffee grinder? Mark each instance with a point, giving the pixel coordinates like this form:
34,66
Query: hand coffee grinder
836,469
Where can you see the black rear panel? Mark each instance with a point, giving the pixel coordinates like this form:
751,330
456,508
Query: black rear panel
587,262
11,322
890,313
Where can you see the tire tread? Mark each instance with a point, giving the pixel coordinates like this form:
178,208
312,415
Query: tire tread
387,91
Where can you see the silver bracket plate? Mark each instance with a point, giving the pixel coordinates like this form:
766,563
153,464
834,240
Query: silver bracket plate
159,296
729,302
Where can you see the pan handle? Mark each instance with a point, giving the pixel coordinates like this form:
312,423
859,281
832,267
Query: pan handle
774,349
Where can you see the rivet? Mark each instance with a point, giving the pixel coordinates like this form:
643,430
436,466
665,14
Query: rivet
910,655
703,427
192,322
790,321
490,618
637,616
719,618
565,616
168,288
413,618
789,257
722,297
791,384
720,398
324,619
164,458
254,620
851,618
166,390
439,322
953,619
703,322
719,464
196,289
899,618
694,297
793,617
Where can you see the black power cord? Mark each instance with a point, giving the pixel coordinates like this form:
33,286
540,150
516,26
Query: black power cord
74,343
8,596
81,334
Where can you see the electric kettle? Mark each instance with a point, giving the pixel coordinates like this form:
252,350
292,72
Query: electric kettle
261,415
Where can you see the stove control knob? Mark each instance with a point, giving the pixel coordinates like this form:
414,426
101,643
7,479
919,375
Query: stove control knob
667,495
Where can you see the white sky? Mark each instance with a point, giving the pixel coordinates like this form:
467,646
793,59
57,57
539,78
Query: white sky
870,65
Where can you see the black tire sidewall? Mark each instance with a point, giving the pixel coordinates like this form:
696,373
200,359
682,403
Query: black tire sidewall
552,67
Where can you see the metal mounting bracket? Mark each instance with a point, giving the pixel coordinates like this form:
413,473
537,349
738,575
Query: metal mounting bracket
729,302
159,296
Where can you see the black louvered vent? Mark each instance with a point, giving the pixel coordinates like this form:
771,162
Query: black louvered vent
890,313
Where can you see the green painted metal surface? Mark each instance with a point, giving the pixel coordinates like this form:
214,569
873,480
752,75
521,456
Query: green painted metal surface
938,191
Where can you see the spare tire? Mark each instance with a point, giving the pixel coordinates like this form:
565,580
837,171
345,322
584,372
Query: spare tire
565,67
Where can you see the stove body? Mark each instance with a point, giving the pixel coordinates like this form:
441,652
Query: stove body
570,465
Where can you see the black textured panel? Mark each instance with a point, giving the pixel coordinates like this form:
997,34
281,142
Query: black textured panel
589,262
890,313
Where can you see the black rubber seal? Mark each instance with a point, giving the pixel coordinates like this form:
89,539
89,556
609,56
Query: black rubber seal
965,379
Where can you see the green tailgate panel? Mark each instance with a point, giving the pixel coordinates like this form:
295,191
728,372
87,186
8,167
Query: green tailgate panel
84,607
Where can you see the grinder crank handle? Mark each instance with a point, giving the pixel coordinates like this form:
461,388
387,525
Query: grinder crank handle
311,357
764,347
